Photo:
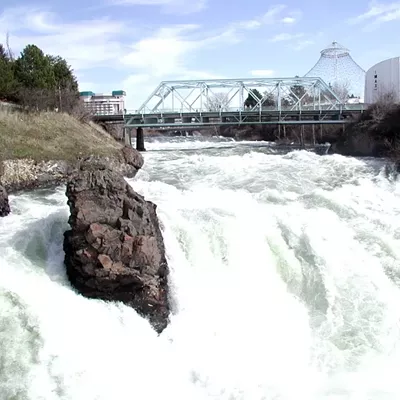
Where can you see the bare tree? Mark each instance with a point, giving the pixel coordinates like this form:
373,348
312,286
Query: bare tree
9,51
342,90
384,102
65,100
218,102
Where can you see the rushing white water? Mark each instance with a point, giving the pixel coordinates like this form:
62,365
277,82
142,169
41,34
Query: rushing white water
285,274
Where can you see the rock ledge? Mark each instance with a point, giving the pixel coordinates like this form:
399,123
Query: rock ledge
115,250
27,174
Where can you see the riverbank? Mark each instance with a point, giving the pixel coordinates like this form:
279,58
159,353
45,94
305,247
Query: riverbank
51,136
43,149
376,133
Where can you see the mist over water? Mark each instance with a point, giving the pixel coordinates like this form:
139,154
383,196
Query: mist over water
285,274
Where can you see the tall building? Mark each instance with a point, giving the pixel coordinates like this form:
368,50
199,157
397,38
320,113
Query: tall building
104,104
383,78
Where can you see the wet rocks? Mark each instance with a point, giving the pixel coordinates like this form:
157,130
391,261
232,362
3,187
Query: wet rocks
132,157
4,204
128,162
115,249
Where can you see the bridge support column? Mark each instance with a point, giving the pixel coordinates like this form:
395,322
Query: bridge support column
140,139
127,137
313,135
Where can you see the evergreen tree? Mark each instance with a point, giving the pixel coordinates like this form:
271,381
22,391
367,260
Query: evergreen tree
33,69
3,53
63,74
251,101
38,81
269,100
297,92
7,80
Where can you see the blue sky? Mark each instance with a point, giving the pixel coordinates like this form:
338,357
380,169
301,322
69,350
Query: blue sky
135,44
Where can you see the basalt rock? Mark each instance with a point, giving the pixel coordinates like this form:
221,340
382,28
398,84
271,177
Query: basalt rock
4,204
128,162
115,250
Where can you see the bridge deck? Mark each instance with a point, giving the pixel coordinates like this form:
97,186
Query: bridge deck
172,120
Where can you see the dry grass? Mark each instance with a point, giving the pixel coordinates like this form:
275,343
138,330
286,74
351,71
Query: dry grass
51,136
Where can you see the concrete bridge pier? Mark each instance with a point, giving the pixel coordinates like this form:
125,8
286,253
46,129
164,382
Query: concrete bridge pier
127,136
140,139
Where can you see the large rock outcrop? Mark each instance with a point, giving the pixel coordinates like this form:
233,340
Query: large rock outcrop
115,249
26,174
4,204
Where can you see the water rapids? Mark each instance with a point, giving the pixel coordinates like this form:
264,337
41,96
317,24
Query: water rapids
285,279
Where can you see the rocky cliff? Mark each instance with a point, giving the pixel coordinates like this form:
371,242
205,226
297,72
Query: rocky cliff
115,249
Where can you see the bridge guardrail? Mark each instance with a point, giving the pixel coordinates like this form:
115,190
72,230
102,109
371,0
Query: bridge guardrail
348,107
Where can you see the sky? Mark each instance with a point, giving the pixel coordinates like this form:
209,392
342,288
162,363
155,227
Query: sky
133,45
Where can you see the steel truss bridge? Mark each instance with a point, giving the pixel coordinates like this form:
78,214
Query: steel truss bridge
202,103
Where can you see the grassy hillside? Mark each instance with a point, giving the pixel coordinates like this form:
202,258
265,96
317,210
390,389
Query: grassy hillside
51,136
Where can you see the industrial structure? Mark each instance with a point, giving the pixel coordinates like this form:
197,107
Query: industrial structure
276,101
383,79
239,95
176,105
104,104
337,68
314,99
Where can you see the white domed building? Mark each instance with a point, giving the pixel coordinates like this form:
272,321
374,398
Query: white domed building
337,68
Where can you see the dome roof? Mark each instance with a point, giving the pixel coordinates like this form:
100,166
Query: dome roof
336,66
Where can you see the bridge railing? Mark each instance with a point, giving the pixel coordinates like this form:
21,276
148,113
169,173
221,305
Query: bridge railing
323,107
311,107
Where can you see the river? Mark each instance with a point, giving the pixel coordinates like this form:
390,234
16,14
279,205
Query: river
285,274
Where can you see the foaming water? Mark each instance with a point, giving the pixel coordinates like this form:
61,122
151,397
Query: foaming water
284,276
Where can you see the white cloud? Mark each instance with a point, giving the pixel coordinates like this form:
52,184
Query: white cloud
84,44
165,52
104,42
284,37
378,13
292,17
161,53
262,73
139,87
288,20
302,44
296,41
147,55
168,6
233,33
164,55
